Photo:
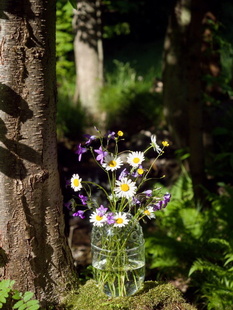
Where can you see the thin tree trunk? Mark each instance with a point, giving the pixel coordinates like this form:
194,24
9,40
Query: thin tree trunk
32,240
88,55
182,85
195,101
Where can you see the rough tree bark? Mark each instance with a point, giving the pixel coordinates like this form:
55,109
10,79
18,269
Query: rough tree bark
33,247
88,56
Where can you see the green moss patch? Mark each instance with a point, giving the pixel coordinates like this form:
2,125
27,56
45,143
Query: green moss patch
153,296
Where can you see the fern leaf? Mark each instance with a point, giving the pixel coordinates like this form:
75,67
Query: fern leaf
27,296
201,265
220,241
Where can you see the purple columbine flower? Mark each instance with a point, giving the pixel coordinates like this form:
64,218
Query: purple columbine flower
101,210
80,151
83,199
80,214
90,138
101,154
110,218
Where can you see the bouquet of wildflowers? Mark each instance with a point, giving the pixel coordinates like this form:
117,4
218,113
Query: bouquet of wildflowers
118,258
126,176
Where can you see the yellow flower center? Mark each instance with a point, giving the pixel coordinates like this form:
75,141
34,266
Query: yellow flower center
120,133
76,182
98,218
140,171
112,163
136,160
125,187
147,212
119,220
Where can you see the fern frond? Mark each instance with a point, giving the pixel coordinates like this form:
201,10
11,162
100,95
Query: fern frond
203,265
221,241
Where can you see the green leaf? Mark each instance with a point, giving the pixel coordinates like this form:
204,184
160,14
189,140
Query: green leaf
229,259
73,3
27,296
32,302
2,299
23,307
34,307
17,295
6,284
4,293
18,304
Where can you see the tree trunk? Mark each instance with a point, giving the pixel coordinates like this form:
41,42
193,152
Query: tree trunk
34,251
88,56
182,85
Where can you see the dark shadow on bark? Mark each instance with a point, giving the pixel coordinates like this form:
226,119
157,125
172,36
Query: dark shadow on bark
12,156
13,8
3,258
13,104
40,263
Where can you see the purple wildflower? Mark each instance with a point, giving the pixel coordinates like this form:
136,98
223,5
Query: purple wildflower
110,135
136,201
163,203
90,138
123,174
101,154
83,199
110,218
79,213
68,205
148,193
101,210
67,183
80,150
158,205
166,199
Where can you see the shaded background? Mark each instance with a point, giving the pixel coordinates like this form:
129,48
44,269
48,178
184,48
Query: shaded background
191,242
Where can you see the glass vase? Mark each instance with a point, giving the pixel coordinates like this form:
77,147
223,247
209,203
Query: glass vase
118,258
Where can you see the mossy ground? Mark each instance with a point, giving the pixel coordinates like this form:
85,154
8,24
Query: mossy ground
153,296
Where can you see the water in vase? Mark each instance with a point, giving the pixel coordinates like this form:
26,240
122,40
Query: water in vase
119,281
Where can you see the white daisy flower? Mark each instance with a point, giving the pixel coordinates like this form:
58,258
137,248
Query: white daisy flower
149,212
135,158
112,163
120,219
97,220
125,188
75,182
155,146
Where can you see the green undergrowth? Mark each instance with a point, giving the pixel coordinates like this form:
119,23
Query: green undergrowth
153,296
13,299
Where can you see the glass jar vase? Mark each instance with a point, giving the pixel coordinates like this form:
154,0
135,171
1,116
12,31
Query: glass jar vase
118,258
